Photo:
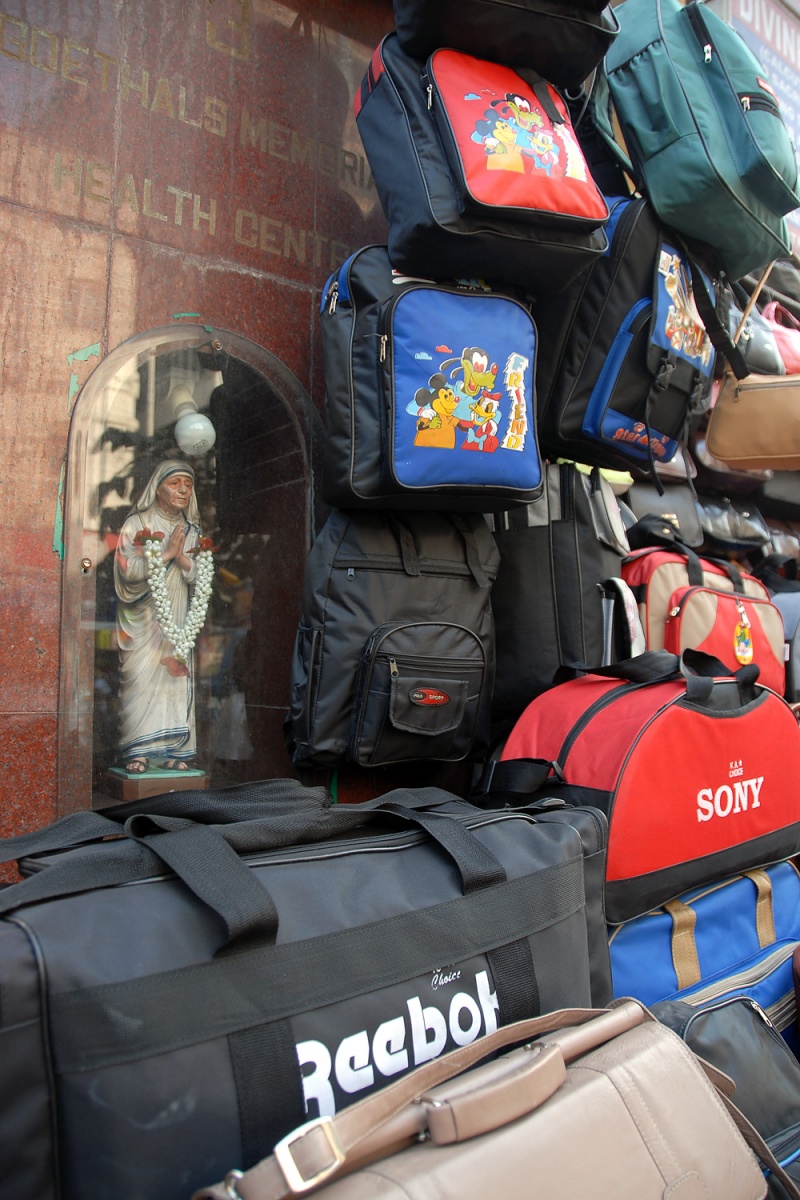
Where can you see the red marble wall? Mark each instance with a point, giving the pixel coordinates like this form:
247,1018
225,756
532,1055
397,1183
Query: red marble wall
157,158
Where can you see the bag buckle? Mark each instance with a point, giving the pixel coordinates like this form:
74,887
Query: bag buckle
296,1181
664,376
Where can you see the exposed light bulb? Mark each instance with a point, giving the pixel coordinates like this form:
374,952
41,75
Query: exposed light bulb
194,433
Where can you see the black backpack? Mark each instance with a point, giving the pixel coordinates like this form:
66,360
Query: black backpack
625,361
394,654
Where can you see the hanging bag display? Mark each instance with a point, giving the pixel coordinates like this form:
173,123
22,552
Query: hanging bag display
478,170
695,768
429,393
564,40
705,135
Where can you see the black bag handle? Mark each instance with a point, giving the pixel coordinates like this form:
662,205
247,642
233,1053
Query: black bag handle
653,531
285,798
507,781
410,555
206,858
719,334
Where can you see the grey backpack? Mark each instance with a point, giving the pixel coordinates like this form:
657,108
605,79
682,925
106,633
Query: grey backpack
394,653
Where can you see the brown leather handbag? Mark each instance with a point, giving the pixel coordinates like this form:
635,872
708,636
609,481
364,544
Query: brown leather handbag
602,1103
755,421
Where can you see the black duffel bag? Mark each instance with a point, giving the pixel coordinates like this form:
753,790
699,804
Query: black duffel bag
178,994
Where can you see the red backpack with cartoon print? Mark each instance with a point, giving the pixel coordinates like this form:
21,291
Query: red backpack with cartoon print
478,170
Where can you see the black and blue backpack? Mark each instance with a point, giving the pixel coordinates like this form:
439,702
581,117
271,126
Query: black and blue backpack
430,399
625,360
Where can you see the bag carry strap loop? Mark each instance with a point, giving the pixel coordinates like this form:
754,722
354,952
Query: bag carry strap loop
317,1150
685,961
683,945
471,548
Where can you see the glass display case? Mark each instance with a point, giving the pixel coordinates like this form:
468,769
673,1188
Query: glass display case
189,513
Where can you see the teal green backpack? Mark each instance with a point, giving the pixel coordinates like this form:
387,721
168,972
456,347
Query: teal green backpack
703,131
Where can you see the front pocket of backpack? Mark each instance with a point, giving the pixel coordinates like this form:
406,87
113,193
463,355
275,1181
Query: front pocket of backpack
420,694
617,407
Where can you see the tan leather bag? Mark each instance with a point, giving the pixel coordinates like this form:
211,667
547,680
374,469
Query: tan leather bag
605,1103
755,421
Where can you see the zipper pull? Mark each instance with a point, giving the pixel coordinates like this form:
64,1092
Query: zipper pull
394,670
351,573
673,612
745,104
384,340
743,618
333,296
707,52
429,90
759,1011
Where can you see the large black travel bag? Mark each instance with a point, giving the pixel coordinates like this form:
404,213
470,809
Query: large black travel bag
516,203
177,997
558,599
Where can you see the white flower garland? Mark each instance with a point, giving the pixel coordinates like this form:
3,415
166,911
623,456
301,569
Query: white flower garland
182,637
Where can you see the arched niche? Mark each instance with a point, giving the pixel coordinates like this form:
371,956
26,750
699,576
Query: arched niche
257,499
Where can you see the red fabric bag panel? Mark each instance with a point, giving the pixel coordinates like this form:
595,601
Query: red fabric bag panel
735,629
511,142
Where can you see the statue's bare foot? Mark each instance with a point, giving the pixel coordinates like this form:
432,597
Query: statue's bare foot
136,766
175,764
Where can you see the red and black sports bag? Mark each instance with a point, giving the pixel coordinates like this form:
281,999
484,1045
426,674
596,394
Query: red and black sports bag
692,603
696,770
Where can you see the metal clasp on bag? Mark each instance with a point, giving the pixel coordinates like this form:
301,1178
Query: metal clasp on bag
295,1180
229,1183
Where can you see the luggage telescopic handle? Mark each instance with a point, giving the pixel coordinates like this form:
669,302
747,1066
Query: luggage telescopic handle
207,858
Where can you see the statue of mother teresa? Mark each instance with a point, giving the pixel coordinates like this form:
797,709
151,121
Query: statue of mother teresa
156,701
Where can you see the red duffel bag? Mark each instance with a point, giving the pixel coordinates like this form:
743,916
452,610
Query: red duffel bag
696,769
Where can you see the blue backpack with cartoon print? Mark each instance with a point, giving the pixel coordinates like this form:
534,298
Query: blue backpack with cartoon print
429,388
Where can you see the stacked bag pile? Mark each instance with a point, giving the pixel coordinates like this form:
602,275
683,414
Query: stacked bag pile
266,988
563,294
